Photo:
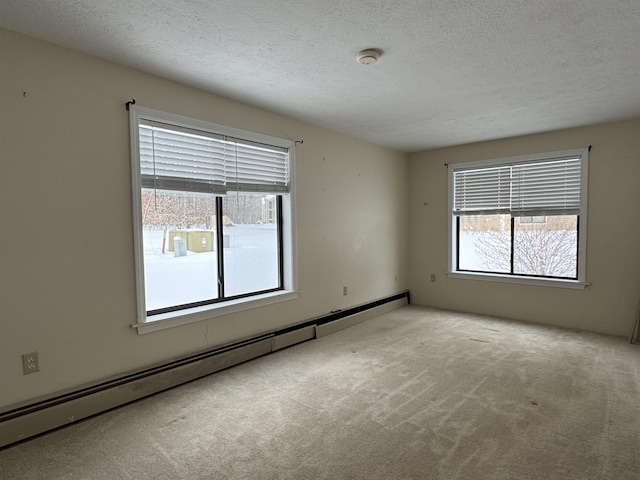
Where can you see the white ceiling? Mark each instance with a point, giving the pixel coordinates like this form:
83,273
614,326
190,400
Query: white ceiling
451,71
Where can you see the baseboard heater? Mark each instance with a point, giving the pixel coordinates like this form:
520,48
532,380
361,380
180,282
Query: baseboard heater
24,421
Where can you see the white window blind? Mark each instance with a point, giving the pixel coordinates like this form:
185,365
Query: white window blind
549,187
257,168
482,190
175,158
528,188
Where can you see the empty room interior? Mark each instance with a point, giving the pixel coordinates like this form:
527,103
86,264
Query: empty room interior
381,240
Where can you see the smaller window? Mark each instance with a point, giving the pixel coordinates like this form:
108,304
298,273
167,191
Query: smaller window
520,218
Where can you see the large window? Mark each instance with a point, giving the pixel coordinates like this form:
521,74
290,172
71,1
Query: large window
213,217
520,219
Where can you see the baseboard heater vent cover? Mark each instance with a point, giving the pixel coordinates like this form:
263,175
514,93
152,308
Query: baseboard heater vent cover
24,421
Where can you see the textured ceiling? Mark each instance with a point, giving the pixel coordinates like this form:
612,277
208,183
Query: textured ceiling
451,71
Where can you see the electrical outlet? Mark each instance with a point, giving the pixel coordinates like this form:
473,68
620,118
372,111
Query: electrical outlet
433,277
344,291
30,363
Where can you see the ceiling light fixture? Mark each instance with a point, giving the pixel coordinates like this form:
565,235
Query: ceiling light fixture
368,57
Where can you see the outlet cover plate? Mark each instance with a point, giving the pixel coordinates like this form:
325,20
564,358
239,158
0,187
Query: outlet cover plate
30,363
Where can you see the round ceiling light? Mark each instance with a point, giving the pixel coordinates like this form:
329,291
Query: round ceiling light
367,57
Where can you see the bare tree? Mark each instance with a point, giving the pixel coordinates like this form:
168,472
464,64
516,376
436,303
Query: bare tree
167,210
243,208
546,248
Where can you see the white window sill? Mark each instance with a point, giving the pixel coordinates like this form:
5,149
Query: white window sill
183,317
514,279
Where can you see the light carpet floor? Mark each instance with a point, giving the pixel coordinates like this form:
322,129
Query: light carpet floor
417,393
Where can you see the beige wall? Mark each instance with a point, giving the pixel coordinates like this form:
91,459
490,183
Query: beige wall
608,305
66,249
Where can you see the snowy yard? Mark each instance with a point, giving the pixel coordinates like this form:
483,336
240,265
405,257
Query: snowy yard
250,264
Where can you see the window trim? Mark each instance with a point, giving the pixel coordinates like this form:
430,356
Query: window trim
288,245
580,282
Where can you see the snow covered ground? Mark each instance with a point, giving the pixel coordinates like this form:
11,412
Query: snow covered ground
470,259
250,263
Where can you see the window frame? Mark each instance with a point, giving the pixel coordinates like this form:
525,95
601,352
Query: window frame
145,323
452,233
